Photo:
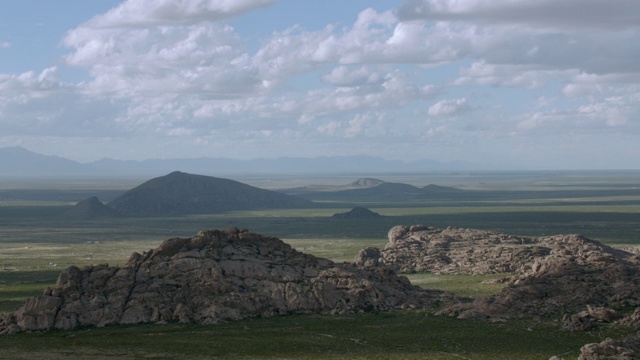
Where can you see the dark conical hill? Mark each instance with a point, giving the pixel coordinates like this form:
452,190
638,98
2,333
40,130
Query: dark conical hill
357,213
90,208
180,194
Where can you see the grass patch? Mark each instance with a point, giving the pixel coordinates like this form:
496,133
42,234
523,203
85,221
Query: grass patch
468,286
17,286
14,296
36,243
395,335
338,250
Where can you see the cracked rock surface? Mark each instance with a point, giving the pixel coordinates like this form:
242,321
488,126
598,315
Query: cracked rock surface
453,250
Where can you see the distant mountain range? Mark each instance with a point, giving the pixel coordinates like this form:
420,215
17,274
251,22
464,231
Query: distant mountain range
20,162
180,193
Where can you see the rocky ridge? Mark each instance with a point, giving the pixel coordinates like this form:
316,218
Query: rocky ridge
546,275
563,274
214,276
578,272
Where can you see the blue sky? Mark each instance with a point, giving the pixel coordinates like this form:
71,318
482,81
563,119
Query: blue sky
550,84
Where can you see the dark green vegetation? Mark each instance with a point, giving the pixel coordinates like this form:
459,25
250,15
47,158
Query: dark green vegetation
402,335
38,238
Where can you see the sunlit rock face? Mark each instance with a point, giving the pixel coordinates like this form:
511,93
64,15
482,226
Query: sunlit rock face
452,250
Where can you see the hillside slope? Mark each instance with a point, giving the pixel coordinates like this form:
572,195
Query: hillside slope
180,194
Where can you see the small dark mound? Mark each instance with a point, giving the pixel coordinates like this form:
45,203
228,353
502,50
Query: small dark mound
357,213
90,208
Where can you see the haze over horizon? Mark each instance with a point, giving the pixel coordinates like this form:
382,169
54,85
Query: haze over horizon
528,85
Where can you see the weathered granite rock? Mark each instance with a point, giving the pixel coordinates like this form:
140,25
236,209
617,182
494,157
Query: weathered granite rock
590,318
561,274
217,275
626,349
576,273
453,251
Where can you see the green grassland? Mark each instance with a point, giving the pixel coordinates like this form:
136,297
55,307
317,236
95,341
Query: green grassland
37,241
395,335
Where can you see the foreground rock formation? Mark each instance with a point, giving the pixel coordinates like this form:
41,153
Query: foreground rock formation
578,272
626,349
547,275
563,274
215,276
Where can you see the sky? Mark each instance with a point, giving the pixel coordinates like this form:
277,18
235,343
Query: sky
513,84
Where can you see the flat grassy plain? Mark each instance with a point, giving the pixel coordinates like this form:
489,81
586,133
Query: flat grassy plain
37,240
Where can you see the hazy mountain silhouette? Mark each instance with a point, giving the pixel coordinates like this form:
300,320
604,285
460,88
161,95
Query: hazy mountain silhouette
20,162
386,191
322,164
361,183
180,193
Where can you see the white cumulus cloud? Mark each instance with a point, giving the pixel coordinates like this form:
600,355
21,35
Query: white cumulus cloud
144,13
449,107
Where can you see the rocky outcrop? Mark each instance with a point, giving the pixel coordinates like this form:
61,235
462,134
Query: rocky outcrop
577,272
453,251
217,275
626,349
564,275
555,274
590,318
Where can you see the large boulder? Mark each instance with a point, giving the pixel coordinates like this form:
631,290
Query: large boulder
217,275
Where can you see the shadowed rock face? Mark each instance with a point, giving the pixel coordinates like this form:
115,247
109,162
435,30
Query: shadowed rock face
217,275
